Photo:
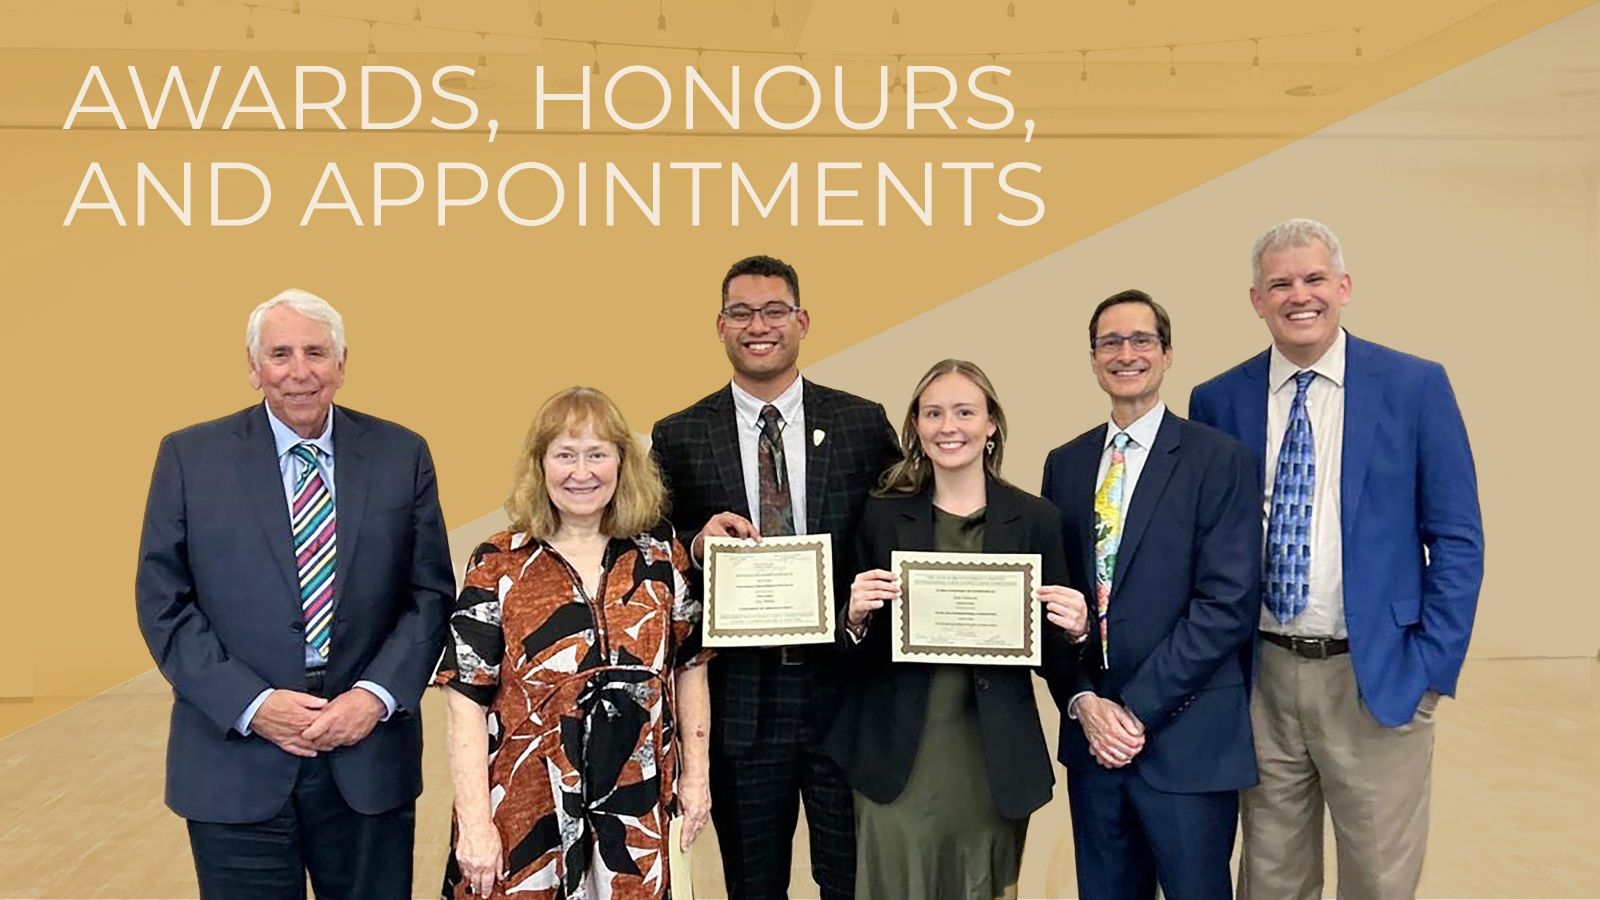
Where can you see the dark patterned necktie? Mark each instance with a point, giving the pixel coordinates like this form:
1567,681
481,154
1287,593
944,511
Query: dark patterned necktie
776,514
1289,523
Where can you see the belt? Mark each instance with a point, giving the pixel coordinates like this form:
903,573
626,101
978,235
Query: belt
1308,647
316,682
788,656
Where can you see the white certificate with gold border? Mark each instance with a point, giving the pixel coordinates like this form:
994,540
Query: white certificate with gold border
972,608
768,594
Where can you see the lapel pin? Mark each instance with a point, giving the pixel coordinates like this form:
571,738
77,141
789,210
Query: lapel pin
817,436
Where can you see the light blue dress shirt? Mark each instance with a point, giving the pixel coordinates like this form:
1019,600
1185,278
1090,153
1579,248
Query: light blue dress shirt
285,440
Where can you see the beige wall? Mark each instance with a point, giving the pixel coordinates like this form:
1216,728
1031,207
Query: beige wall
1472,240
124,334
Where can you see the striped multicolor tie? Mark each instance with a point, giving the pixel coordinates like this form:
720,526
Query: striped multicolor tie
311,520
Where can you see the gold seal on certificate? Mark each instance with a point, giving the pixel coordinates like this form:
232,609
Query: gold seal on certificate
769,594
973,608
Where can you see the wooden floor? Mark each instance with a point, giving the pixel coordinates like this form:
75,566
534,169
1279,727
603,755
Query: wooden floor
1516,795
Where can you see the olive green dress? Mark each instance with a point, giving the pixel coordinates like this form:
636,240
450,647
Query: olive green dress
942,838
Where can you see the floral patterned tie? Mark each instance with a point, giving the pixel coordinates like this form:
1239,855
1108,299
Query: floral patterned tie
1108,536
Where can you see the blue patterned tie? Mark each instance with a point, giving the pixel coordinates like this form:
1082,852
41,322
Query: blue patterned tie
311,520
1289,524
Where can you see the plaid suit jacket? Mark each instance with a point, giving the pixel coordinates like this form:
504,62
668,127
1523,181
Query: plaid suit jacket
698,451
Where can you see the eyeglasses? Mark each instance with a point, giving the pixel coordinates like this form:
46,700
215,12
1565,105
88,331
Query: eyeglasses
1142,341
772,314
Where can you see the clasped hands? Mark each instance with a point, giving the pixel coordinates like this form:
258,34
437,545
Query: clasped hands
1115,735
305,725
1064,607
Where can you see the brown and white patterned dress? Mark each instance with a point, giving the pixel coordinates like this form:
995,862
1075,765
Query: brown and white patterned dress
578,690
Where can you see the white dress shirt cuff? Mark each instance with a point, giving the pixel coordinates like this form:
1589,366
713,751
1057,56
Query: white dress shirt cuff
377,691
242,724
1072,705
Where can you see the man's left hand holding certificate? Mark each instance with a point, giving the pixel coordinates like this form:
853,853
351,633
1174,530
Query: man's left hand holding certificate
774,592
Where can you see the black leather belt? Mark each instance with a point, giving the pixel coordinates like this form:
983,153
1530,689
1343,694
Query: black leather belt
1308,647
788,656
316,682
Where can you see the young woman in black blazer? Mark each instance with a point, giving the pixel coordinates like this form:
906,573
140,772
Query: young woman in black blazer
947,761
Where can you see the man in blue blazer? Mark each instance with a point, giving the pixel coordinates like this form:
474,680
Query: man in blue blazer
293,585
1373,558
1162,527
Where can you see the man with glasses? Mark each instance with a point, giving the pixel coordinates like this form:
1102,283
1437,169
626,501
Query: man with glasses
774,454
1374,557
1161,521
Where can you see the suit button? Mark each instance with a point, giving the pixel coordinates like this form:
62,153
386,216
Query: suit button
982,683
297,625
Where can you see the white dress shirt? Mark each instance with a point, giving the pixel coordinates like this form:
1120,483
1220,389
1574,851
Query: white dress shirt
284,441
747,410
1324,612
1141,437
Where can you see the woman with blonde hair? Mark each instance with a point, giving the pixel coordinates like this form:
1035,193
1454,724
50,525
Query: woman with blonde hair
947,761
578,707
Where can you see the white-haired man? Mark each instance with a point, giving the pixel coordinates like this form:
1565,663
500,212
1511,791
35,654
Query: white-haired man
1373,560
293,585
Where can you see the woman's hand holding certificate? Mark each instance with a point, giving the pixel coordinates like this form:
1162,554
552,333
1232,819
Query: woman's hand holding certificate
974,608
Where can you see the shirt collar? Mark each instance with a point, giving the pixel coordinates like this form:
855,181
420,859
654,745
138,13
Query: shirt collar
1331,366
1143,430
748,406
285,439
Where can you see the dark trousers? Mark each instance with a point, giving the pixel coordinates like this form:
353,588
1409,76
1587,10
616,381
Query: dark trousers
756,795
1128,836
347,854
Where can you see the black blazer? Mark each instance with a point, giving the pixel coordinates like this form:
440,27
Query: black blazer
876,736
698,451
219,605
1184,605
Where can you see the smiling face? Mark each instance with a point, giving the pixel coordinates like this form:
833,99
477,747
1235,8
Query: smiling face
580,474
295,367
1131,377
1300,296
953,422
763,353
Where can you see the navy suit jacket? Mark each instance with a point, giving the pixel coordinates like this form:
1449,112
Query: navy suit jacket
1184,604
1409,519
219,606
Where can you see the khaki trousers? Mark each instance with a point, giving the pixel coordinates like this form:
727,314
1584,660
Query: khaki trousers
1317,744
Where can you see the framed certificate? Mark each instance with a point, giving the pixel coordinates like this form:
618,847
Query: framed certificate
973,608
773,593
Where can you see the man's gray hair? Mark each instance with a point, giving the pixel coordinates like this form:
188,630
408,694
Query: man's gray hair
1295,233
306,304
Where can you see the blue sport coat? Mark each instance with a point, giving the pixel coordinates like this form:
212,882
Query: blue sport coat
1409,519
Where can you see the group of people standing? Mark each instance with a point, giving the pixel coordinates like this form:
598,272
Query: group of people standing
1251,616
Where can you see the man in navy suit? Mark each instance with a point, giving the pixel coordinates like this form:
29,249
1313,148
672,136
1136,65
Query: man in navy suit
1162,526
1374,557
293,584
